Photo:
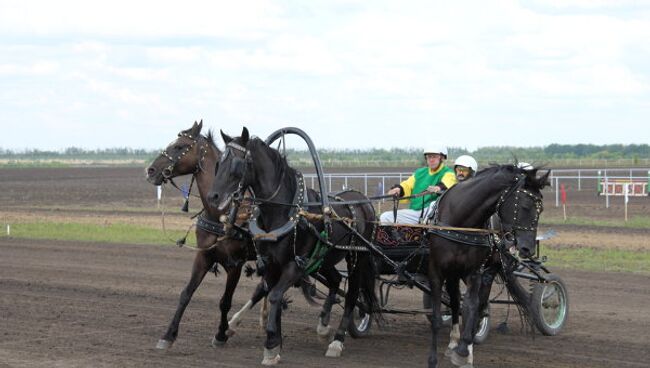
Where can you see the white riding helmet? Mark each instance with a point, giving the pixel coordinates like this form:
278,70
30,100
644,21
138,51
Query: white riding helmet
467,161
436,149
525,165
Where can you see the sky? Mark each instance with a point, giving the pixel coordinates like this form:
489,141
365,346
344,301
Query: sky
352,74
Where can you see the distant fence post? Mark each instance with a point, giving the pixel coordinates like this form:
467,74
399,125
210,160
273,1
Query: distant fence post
579,185
557,192
365,184
600,185
606,192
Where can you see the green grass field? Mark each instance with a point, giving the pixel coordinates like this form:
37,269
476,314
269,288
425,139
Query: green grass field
638,222
578,258
591,259
113,233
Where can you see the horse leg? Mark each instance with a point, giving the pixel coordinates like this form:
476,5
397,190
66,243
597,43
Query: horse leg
289,276
225,304
454,301
463,355
435,283
264,313
357,269
202,263
260,292
333,278
487,278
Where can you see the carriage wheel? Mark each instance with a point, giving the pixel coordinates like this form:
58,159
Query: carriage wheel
550,305
483,330
360,321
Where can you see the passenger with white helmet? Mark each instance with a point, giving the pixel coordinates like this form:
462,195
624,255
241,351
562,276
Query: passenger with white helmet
525,165
465,167
434,178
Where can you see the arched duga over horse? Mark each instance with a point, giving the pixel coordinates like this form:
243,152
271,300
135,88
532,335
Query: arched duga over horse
195,154
512,193
291,245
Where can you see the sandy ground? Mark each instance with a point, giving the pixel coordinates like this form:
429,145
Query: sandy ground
70,304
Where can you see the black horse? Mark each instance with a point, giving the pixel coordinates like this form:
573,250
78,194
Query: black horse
292,246
514,194
195,154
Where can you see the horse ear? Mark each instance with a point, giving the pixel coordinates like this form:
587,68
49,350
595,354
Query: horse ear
244,136
196,129
226,138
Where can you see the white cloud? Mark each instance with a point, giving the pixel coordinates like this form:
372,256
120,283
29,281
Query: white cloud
39,68
247,19
346,66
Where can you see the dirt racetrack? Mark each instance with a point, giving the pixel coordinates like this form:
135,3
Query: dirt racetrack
81,304
71,304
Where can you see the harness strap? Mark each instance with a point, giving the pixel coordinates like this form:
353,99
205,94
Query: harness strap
463,237
213,227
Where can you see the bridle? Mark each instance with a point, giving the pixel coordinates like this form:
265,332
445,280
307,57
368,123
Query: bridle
169,170
517,190
238,194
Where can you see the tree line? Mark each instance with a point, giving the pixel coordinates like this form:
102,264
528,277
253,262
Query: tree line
396,156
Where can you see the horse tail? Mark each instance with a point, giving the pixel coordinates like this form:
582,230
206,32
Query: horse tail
309,291
519,294
368,273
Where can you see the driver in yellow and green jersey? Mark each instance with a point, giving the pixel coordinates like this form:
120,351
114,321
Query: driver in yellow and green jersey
434,178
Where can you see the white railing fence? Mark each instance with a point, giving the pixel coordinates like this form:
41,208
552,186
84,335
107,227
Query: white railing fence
377,183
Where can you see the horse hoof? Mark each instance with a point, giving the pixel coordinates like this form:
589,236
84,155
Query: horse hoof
458,360
272,356
448,352
323,331
164,344
217,343
335,349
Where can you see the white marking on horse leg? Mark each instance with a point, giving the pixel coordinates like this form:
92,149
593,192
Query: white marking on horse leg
470,358
322,330
335,349
454,338
236,318
271,356
163,344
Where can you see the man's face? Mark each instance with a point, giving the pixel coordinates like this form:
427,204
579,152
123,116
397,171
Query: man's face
433,160
462,172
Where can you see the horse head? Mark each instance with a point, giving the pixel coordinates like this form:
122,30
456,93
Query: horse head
235,172
182,156
520,206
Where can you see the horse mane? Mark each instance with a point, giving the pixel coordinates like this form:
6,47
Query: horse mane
279,161
210,138
532,180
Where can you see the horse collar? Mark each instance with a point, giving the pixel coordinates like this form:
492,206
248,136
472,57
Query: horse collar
294,216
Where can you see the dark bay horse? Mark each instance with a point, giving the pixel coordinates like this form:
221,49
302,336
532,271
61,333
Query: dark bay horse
514,194
195,154
295,244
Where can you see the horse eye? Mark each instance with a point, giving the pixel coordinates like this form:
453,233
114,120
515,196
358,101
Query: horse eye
237,168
